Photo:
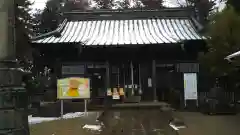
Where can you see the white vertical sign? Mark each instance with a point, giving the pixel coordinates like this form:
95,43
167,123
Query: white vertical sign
190,86
149,82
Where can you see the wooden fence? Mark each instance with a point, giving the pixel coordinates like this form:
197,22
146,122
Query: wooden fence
177,100
227,95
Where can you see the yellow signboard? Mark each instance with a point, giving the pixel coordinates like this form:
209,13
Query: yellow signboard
121,92
73,88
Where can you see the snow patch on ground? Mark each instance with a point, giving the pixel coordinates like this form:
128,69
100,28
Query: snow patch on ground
36,120
73,115
176,127
93,127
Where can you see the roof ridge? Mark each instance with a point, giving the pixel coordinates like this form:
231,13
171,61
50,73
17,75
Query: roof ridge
128,13
57,31
127,10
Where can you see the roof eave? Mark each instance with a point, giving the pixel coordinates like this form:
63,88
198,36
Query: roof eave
55,32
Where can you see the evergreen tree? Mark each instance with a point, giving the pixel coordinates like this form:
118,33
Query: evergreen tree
50,17
235,4
76,5
122,4
203,8
152,4
224,31
54,10
36,25
137,4
104,4
23,25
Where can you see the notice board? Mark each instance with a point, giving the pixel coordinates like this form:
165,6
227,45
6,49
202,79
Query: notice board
73,88
190,86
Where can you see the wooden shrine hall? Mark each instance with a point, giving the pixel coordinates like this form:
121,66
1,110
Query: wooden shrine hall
145,52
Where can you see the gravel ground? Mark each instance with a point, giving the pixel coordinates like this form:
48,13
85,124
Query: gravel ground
137,122
140,122
116,122
65,127
58,127
200,124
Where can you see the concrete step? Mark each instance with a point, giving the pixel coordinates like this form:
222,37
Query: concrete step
132,99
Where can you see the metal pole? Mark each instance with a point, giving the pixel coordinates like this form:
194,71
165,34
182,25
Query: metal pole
124,79
185,103
61,109
132,78
154,80
118,77
139,77
85,106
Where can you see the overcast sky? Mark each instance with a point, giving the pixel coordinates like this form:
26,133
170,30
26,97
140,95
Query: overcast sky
40,4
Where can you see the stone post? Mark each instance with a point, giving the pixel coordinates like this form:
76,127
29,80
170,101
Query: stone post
13,96
3,29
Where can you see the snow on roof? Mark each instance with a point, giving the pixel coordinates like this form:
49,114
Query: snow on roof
146,31
236,54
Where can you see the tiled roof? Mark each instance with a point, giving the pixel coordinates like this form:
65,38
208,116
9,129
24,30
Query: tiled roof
125,32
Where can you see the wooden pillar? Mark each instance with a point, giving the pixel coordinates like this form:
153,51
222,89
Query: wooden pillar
58,68
132,79
139,79
107,100
107,81
154,80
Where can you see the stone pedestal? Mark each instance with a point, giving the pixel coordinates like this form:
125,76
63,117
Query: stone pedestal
13,111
